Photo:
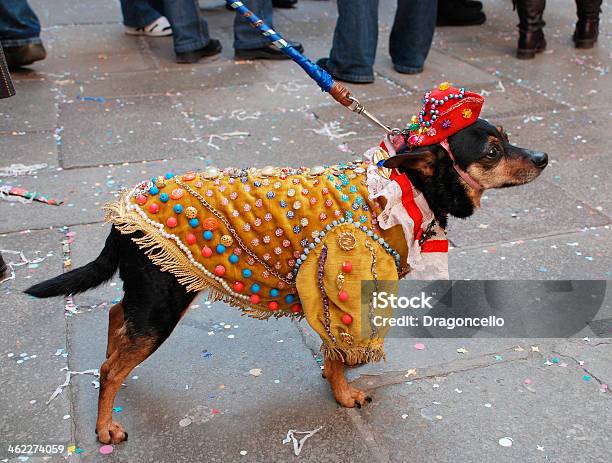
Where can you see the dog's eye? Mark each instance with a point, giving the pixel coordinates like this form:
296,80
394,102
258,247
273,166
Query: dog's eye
493,152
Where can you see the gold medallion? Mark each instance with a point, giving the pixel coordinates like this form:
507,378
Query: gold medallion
347,241
227,240
381,155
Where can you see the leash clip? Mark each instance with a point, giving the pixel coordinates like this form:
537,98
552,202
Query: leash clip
358,108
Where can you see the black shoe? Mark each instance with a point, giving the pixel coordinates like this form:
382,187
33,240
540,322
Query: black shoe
530,43
586,33
24,55
3,267
322,63
284,3
211,49
268,52
460,13
531,28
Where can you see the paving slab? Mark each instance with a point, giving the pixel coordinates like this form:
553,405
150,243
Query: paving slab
557,416
581,255
134,129
33,331
32,108
29,148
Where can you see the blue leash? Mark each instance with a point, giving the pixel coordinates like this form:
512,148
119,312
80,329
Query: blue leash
323,79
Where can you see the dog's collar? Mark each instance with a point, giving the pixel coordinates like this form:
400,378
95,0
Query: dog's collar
462,173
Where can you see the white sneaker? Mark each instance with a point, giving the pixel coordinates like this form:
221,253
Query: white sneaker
158,28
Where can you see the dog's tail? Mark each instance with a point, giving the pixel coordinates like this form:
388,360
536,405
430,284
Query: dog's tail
83,278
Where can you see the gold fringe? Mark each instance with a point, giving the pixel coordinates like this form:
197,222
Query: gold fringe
354,355
169,258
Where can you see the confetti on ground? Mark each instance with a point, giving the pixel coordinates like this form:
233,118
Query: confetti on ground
535,349
462,350
527,381
185,422
499,357
586,378
255,372
17,170
419,346
298,444
106,449
243,452
69,374
410,373
404,416
506,442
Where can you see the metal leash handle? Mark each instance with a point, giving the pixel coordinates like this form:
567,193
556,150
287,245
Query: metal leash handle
338,91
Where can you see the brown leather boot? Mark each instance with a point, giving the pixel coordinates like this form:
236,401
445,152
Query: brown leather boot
531,23
587,27
24,55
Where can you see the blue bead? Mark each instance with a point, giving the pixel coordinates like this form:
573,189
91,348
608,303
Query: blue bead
255,288
274,292
233,259
289,298
283,203
178,208
153,190
208,235
270,194
164,197
246,273
169,175
220,249
193,223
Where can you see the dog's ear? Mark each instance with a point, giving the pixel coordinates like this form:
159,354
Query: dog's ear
423,160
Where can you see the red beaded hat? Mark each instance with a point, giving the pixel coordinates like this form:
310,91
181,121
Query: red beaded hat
446,110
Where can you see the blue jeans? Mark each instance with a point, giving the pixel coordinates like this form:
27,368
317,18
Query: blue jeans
19,24
140,13
245,36
190,31
356,36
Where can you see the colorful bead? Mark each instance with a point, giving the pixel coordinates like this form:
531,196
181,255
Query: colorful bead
220,249
160,181
273,305
177,193
255,288
246,273
296,308
220,270
164,197
255,298
153,190
190,238
210,224
289,298
171,222
193,223
188,177
208,235
169,175
347,266
141,200
343,296
206,251
227,240
191,212
238,286
347,319
233,259
178,208
274,292
153,208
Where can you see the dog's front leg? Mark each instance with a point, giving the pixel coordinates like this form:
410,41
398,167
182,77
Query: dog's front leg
345,394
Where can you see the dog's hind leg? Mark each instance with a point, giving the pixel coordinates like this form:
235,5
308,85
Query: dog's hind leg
115,323
345,394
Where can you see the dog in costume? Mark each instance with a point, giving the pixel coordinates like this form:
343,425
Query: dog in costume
296,242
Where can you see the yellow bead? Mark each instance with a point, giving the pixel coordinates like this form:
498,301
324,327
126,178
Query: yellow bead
191,212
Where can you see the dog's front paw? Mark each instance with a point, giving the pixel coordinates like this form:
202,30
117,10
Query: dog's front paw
352,397
111,433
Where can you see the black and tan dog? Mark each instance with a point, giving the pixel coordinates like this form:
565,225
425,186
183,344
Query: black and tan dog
157,296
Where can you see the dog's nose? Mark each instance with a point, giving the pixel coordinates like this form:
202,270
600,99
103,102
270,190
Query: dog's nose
540,159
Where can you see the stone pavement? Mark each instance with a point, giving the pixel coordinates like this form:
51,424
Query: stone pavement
106,110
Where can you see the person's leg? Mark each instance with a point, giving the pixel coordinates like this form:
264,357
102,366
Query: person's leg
412,34
531,24
355,39
138,13
587,27
19,25
20,34
189,29
246,37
